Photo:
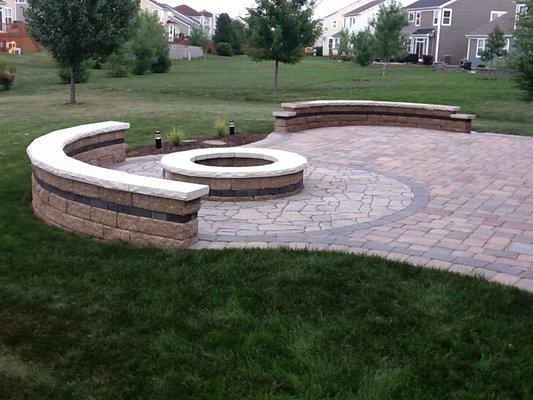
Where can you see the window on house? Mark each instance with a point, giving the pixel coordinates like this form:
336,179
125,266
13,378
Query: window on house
411,16
21,1
418,18
334,24
436,17
507,45
480,48
496,14
8,15
330,43
447,17
408,44
520,8
1,19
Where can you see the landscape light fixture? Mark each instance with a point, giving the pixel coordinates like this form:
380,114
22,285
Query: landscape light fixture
232,127
158,141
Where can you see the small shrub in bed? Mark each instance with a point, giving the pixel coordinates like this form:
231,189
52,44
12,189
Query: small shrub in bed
176,136
221,127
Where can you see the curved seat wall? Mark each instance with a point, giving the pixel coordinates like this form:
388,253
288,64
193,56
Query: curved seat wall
297,117
73,191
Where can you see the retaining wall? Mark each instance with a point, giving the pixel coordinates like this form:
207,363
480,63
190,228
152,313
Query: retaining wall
72,190
297,117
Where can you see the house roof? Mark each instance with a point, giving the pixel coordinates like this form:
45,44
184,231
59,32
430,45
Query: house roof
206,13
506,23
427,4
423,32
361,9
186,10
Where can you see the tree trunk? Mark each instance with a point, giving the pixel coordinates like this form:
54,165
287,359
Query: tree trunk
276,79
73,71
384,68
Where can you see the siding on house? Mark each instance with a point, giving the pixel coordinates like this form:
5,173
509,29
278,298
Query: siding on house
451,42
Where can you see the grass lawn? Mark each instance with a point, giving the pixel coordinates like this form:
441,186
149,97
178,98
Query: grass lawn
81,319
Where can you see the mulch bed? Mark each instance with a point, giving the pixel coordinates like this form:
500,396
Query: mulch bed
239,139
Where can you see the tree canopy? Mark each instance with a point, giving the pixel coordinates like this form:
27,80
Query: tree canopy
224,29
521,58
76,31
494,46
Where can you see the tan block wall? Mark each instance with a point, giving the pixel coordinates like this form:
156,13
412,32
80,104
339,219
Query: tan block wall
322,117
245,189
107,214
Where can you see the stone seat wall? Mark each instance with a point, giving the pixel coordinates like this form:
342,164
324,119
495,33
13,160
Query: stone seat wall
72,191
301,116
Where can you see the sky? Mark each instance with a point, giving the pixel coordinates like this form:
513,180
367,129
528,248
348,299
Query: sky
238,7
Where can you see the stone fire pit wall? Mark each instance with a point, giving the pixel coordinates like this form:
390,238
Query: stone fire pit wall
72,190
239,173
301,116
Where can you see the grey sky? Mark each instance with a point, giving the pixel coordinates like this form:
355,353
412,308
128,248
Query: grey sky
238,7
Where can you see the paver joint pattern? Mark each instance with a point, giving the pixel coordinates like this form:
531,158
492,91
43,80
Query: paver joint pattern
462,203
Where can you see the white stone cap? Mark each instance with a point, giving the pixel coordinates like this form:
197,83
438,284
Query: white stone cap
463,116
370,103
283,163
46,152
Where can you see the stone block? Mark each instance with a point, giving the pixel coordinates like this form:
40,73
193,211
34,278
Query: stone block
104,217
162,204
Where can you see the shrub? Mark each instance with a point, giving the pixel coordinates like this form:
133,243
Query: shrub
364,45
149,45
81,77
319,51
428,60
224,49
119,64
7,76
221,127
162,63
176,136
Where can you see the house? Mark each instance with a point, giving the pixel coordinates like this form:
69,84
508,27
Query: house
206,19
355,17
13,27
176,24
439,28
332,25
478,37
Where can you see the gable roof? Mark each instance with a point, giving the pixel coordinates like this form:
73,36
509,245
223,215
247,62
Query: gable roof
428,4
186,10
362,9
506,23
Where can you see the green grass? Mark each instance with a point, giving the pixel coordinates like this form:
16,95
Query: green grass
81,319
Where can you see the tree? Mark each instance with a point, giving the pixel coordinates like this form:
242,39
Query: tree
239,36
344,43
200,38
75,31
494,47
521,58
388,26
364,47
279,31
149,45
223,30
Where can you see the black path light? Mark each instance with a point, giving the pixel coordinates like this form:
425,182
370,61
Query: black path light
158,141
232,127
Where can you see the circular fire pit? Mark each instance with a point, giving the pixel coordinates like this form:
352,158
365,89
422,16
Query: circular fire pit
239,174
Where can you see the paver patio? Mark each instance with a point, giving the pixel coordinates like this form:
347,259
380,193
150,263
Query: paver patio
443,200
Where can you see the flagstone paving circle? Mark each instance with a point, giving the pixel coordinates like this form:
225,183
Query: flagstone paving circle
443,200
